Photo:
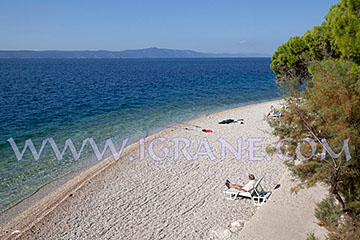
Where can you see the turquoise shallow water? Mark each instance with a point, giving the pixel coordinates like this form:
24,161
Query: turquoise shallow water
109,98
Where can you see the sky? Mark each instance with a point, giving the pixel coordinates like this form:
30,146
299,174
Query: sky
213,26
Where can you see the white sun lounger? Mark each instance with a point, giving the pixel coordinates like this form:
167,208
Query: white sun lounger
257,194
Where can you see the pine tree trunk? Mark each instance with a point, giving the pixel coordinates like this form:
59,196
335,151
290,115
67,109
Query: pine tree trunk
334,190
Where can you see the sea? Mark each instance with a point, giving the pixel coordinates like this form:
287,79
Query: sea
108,98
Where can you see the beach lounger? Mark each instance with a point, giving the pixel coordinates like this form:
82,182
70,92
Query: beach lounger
257,194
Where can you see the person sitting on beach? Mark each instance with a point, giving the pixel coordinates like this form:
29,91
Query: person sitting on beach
248,187
272,111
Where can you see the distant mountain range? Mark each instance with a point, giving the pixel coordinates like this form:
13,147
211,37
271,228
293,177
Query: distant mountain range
136,53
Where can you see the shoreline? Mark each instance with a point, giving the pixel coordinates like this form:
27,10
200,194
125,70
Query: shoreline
50,187
50,203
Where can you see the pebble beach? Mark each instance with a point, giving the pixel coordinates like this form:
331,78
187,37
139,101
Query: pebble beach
169,197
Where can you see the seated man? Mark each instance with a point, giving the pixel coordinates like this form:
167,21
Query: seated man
248,187
272,111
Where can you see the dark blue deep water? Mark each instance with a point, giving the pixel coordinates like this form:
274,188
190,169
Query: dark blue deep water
109,98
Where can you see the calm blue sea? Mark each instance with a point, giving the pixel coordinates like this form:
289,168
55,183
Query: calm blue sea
109,98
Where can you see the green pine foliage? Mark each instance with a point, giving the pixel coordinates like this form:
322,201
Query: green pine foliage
328,213
344,24
319,75
311,236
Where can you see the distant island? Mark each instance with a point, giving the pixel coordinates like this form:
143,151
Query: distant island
136,53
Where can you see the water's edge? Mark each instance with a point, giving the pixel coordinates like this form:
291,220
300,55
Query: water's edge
48,188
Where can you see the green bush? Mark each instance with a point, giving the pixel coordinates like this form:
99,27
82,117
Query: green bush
328,213
311,236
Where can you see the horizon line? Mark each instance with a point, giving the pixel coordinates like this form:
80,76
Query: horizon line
134,49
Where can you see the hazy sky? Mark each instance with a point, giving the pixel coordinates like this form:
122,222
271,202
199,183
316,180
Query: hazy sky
231,26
